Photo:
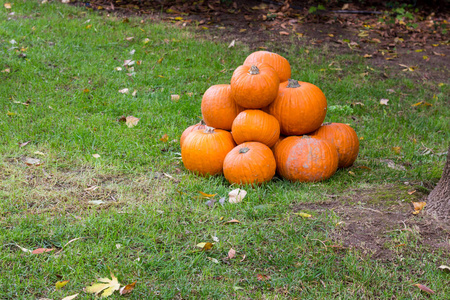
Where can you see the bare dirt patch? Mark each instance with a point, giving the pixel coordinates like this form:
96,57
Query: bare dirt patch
379,222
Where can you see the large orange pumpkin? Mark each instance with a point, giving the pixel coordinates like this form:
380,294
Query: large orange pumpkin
203,151
198,126
255,126
254,86
218,107
306,159
249,163
278,62
300,107
344,138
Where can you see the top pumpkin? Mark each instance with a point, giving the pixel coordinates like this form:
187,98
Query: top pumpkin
278,62
254,86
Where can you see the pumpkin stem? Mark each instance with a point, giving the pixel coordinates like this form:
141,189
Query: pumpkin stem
209,129
253,70
244,150
327,123
292,83
202,122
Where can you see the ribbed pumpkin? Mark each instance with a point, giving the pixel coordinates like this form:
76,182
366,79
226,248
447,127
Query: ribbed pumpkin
306,159
278,62
249,163
254,86
344,138
255,126
300,107
198,126
218,107
203,151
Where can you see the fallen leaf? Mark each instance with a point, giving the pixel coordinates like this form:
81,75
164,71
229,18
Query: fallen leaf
132,52
421,103
205,246
284,33
60,284
231,253
262,277
107,288
211,202
214,260
124,91
24,249
236,196
303,215
146,40
131,121
6,71
384,101
128,63
444,268
175,98
127,289
39,153
424,288
397,150
206,195
411,192
73,296
232,44
367,56
233,221
7,5
418,206
134,93
23,144
243,258
96,155
32,161
11,114
164,138
96,202
42,250
237,288
91,188
130,38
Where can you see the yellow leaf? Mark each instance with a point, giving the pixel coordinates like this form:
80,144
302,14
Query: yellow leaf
164,138
160,60
10,114
160,76
89,26
61,284
7,5
178,19
303,215
107,288
441,84
418,50
418,206
425,57
146,40
397,150
206,195
86,91
205,246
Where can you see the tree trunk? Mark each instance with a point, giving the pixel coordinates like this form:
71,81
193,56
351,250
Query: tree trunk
438,202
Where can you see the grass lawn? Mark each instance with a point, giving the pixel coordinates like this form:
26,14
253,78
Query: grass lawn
135,211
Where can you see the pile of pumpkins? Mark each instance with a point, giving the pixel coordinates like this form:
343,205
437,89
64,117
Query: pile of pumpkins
265,122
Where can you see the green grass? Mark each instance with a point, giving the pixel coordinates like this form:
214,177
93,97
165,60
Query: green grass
149,224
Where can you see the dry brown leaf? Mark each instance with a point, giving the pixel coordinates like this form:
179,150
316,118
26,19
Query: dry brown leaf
284,33
424,288
231,253
205,246
127,289
164,138
411,192
32,161
262,277
418,206
131,121
42,250
397,150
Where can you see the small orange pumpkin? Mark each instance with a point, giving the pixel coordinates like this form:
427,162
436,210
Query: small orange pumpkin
255,126
249,163
344,138
278,62
203,151
306,159
198,126
218,107
300,107
254,86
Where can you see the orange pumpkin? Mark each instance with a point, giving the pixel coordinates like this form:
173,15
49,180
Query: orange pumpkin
249,163
255,126
300,107
198,126
203,151
344,138
218,107
254,86
278,62
306,159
